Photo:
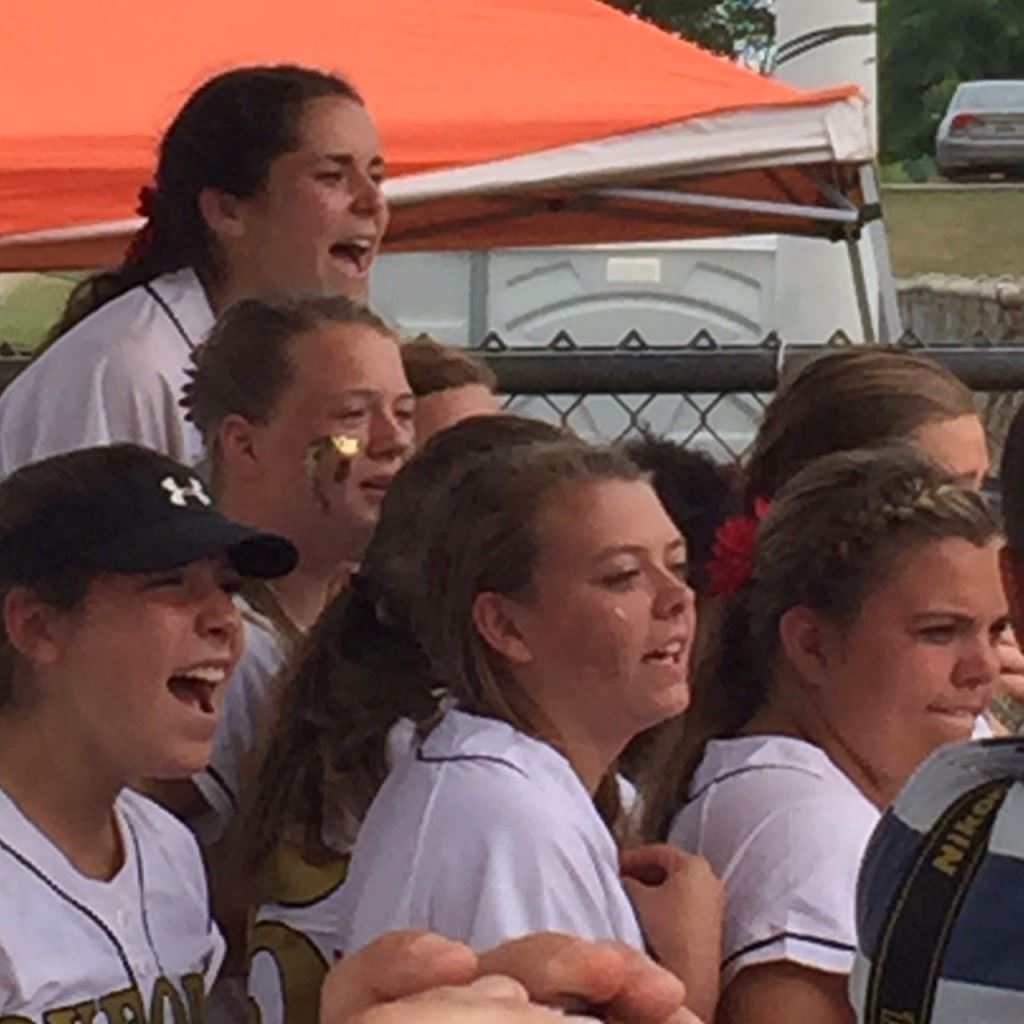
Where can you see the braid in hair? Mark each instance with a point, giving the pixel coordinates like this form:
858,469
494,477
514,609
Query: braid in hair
826,541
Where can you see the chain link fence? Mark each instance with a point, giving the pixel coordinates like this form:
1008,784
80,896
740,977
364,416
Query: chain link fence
708,395
702,393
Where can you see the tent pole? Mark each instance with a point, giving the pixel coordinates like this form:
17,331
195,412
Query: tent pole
860,286
828,190
890,319
828,215
479,299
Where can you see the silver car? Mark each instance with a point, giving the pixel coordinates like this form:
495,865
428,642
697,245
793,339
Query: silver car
983,130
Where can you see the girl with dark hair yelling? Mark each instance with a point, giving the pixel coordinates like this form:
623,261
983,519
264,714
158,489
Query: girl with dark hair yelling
267,182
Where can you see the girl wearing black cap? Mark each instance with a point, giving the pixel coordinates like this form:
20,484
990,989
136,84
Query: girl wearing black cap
118,635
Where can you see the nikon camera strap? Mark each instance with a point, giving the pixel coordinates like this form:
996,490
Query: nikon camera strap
912,942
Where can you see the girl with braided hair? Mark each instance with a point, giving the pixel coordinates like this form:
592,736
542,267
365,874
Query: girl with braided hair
869,395
860,635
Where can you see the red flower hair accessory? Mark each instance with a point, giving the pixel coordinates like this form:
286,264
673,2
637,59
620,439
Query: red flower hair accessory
733,551
143,238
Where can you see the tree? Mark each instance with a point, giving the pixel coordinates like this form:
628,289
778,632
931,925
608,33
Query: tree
926,48
734,28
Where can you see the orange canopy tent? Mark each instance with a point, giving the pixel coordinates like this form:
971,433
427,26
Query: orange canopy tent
505,122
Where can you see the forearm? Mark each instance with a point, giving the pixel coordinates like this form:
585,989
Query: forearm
694,957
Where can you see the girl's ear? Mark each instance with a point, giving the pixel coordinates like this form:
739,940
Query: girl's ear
809,642
494,617
224,213
1010,570
238,448
34,627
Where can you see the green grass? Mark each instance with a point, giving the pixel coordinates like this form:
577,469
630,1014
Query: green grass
973,232
29,305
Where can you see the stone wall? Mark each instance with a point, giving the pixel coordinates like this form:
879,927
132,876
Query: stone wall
940,310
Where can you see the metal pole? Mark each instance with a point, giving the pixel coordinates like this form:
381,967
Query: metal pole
625,373
714,371
860,287
890,321
479,295
846,213
692,370
822,43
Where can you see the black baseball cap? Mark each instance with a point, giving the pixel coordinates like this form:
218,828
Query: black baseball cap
124,508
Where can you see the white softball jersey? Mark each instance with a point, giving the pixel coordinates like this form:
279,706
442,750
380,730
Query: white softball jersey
115,376
297,932
785,831
140,947
295,937
247,709
483,834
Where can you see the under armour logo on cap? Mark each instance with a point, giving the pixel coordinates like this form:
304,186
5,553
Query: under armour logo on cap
180,494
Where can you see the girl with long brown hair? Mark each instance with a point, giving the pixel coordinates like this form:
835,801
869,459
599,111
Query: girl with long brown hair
359,689
267,182
869,395
859,634
555,616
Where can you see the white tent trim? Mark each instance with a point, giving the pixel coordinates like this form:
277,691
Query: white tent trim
836,132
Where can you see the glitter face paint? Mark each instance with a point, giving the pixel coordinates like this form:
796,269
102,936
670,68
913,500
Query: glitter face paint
345,447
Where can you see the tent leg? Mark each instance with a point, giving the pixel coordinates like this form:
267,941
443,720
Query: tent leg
890,320
860,286
479,300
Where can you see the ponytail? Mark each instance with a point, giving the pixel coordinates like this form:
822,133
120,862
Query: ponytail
362,668
830,536
99,289
730,685
229,132
357,675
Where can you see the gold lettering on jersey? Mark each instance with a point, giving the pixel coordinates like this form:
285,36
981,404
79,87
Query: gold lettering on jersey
166,1006
127,1006
195,994
898,1017
83,1013
124,1007
301,967
958,838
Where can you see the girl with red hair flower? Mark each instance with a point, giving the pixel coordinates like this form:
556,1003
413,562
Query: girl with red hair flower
858,633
